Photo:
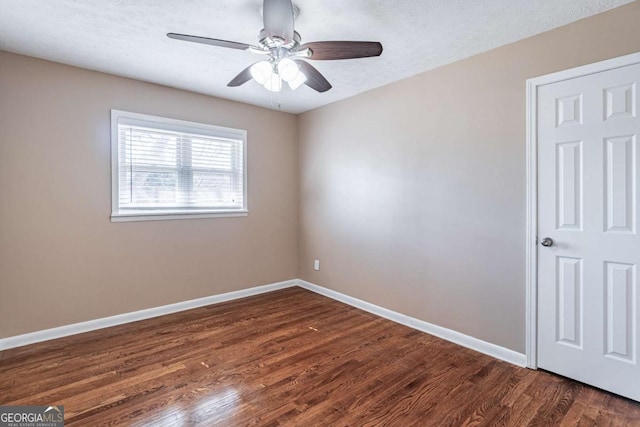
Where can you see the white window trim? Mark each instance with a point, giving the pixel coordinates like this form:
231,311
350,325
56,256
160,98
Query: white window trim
124,117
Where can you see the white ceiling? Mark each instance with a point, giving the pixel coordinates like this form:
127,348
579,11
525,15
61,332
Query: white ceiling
127,38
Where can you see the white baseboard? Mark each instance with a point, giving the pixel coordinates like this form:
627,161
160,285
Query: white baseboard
456,337
106,322
476,344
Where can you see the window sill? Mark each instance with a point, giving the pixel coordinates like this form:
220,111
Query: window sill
163,216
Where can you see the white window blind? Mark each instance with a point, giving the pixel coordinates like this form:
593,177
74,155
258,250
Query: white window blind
168,167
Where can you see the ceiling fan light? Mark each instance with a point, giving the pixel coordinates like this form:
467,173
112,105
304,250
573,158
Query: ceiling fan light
261,71
288,69
273,83
298,81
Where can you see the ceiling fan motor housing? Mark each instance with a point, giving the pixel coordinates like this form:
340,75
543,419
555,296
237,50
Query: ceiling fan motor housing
275,42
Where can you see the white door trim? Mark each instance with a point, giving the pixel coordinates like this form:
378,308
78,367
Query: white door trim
532,188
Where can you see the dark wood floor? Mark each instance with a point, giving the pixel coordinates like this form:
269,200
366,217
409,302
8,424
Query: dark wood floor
290,357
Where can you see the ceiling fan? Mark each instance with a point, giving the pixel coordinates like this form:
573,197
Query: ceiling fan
281,44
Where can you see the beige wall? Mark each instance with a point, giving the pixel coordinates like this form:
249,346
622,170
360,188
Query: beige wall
413,195
63,261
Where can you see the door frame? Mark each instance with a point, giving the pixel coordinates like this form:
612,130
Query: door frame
532,186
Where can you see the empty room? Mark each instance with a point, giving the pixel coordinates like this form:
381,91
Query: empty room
319,213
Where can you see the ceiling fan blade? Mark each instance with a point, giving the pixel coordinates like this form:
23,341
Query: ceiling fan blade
315,80
242,78
278,19
213,42
342,49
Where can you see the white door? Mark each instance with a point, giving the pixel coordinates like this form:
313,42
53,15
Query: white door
588,191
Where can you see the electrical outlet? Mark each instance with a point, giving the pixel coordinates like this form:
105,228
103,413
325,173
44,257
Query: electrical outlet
316,265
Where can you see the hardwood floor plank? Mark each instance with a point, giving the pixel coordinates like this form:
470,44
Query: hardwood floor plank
290,357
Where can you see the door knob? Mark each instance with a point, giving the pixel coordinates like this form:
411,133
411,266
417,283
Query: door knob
547,241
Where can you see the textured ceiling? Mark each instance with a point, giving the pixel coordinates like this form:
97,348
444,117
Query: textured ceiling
127,38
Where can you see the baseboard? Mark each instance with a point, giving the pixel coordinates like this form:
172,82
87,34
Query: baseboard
106,322
456,337
476,344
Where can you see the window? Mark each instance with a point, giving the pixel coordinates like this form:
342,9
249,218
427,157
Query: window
170,169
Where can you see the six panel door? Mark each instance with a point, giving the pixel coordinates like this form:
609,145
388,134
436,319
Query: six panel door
588,294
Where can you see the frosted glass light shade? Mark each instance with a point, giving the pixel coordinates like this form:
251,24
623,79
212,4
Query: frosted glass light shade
288,69
261,71
273,83
298,81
